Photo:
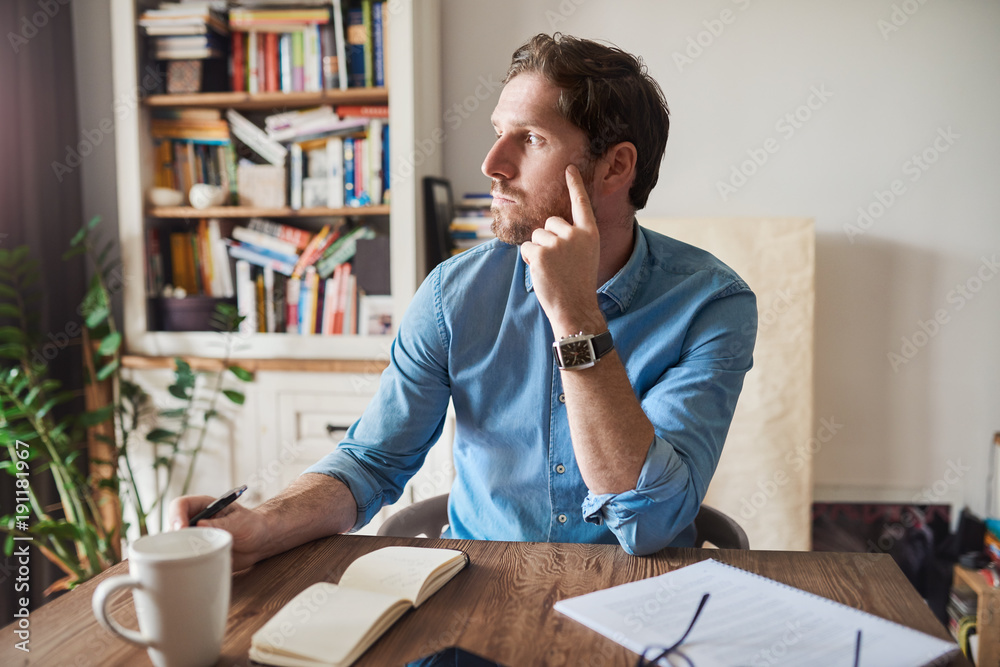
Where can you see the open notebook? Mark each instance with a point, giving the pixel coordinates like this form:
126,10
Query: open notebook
331,625
748,620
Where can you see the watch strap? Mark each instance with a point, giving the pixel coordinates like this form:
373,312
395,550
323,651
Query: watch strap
603,343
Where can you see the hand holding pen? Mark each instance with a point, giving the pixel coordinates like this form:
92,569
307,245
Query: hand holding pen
217,505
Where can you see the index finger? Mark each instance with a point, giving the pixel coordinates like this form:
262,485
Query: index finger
182,509
583,212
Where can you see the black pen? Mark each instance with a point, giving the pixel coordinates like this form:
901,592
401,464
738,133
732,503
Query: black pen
218,505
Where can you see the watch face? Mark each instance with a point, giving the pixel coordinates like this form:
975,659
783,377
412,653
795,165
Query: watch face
576,353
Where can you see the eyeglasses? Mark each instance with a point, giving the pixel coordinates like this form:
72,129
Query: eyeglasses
658,653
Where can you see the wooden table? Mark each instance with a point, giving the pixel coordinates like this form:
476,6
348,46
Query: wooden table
500,606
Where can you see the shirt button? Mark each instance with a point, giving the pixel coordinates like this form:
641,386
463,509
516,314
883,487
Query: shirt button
561,518
560,468
562,398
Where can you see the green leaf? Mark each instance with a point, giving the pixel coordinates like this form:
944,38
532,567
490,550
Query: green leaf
175,413
12,335
178,391
95,417
161,462
9,292
241,373
236,397
106,372
110,344
161,435
13,351
8,310
44,410
73,252
96,316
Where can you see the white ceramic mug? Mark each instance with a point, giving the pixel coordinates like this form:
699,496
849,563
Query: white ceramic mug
180,583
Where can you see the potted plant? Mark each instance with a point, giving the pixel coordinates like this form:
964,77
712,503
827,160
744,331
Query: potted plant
82,532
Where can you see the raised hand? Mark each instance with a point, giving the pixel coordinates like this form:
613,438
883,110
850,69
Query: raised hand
564,256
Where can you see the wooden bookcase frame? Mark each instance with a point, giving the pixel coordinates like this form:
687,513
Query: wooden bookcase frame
415,121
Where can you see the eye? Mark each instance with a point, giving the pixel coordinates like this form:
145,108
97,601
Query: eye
533,139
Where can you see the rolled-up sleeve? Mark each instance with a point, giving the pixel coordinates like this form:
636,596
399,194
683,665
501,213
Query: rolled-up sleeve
691,407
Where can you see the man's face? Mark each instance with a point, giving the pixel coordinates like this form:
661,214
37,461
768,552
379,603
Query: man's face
527,164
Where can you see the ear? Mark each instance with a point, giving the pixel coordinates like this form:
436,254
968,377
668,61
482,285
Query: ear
618,168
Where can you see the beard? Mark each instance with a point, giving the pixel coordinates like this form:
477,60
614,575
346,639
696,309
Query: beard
514,223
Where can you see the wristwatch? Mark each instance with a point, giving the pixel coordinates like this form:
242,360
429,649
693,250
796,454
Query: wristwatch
582,350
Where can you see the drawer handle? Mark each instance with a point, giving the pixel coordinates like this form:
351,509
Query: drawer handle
333,428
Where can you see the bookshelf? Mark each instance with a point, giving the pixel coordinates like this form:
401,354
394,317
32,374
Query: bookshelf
414,114
987,613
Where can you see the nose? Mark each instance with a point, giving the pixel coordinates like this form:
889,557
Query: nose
498,163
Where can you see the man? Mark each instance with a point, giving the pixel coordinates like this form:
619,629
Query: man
613,438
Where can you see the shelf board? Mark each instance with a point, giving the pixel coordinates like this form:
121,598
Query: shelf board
189,212
271,101
139,362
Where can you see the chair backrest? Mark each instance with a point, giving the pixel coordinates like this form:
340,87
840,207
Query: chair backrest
719,529
428,518
425,518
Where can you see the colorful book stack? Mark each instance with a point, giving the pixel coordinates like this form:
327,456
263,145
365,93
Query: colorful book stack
320,291
472,222
337,157
308,49
192,146
185,31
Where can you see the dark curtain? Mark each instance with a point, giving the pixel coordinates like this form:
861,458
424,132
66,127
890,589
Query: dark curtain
40,203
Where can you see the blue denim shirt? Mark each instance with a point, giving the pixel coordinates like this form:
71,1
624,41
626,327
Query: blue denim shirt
684,326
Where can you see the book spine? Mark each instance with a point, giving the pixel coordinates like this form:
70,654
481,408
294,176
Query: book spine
269,314
297,61
363,111
335,172
386,186
356,47
328,307
349,196
298,237
351,308
237,63
252,64
328,53
342,285
295,179
221,259
293,289
245,301
259,302
366,15
285,57
264,252
272,67
243,253
340,37
267,241
378,54
375,161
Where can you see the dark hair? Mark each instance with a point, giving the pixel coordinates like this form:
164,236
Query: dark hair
608,94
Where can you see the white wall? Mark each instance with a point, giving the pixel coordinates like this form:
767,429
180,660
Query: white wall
920,427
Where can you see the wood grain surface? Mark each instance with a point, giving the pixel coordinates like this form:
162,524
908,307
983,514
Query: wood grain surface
500,606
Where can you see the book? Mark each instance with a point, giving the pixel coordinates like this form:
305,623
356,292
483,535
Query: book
335,172
340,40
348,617
378,50
246,300
745,617
255,138
356,38
298,237
363,111
242,252
262,240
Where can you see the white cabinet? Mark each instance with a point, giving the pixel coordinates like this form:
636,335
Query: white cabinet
297,418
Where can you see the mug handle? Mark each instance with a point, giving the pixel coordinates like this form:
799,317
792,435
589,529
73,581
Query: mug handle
99,603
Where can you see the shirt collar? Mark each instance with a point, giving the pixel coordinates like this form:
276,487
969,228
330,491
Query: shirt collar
622,286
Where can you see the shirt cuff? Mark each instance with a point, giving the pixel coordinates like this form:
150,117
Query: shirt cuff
661,479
